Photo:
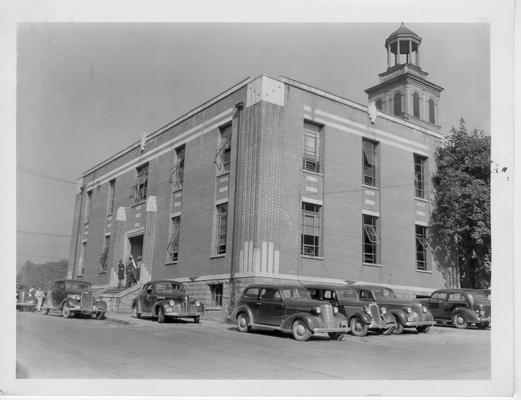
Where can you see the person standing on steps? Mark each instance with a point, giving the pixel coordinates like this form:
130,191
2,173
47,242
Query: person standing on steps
121,273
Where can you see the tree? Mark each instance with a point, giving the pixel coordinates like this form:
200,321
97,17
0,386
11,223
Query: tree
460,220
42,275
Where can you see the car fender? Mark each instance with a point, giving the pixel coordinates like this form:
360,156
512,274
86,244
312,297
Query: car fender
400,316
389,318
366,318
243,309
161,303
470,315
311,321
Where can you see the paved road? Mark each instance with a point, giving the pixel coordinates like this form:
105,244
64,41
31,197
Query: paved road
81,348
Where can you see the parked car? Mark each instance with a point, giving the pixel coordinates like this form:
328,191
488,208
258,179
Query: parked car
74,298
290,309
462,307
165,299
362,316
24,301
408,314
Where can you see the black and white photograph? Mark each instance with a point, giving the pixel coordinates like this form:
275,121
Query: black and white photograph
279,199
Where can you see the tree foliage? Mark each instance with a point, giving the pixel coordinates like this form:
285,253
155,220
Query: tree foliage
460,221
42,275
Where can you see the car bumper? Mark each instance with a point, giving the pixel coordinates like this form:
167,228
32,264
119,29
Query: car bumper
383,325
413,324
330,330
181,314
79,310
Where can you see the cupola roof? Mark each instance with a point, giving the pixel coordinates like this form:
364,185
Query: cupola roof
402,32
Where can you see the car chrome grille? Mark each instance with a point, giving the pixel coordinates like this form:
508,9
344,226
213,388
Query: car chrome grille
375,312
327,315
86,301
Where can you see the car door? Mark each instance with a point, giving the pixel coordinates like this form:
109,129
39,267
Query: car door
58,294
437,305
454,301
270,307
149,298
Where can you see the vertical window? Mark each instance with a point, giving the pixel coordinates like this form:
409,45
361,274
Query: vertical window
178,171
369,162
311,161
432,117
226,147
397,100
221,227
140,193
311,229
216,292
419,176
379,105
81,260
110,199
416,105
370,239
421,248
88,205
173,244
105,253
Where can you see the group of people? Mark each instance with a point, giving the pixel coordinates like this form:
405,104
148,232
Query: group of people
130,271
38,294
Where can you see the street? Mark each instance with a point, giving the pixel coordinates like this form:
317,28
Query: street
49,346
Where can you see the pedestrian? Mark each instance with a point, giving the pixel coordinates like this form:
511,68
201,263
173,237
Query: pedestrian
121,273
137,269
39,298
128,270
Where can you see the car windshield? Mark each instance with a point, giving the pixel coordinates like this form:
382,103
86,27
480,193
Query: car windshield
77,285
383,293
346,294
295,293
167,287
480,296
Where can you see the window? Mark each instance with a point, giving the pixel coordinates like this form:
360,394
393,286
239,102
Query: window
421,248
379,105
140,193
81,260
416,105
224,149
311,160
370,239
456,297
105,253
369,162
88,205
311,230
252,293
221,225
432,117
173,244
419,176
270,294
178,171
216,292
397,100
110,199
439,296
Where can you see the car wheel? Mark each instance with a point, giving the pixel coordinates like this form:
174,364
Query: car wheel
399,328
423,329
459,321
336,335
358,328
196,319
300,331
243,323
160,316
387,331
483,325
66,311
100,315
135,312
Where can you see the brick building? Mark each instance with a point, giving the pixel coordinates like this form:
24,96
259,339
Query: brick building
273,179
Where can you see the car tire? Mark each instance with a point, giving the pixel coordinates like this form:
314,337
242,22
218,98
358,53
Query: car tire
135,313
196,319
336,335
100,315
66,311
300,330
160,316
399,328
358,328
243,324
423,329
459,321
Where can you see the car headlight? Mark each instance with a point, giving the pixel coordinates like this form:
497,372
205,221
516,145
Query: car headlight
383,310
171,303
335,310
197,303
94,308
424,309
408,310
316,310
367,310
74,297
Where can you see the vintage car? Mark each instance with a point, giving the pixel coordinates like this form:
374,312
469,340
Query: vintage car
74,298
290,309
462,307
166,299
24,301
362,316
408,313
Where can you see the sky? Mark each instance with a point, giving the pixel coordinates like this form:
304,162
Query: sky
87,90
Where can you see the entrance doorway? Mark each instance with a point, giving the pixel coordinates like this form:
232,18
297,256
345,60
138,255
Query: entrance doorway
136,250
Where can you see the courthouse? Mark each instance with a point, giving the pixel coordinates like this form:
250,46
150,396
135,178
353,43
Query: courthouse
273,180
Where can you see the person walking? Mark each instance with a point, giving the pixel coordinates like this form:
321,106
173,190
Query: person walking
39,298
129,271
121,273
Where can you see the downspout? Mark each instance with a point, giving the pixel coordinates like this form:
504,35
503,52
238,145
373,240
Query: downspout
77,238
231,306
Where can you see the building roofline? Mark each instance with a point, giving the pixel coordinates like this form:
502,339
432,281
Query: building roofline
239,85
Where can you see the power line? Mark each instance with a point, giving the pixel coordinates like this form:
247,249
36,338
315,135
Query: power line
39,174
44,233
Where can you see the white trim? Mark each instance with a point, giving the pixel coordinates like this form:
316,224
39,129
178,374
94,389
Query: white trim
372,213
312,201
421,223
135,232
221,201
366,135
107,234
84,241
176,214
160,150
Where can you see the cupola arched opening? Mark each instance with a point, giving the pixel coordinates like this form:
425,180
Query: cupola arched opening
379,105
432,116
416,105
397,106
